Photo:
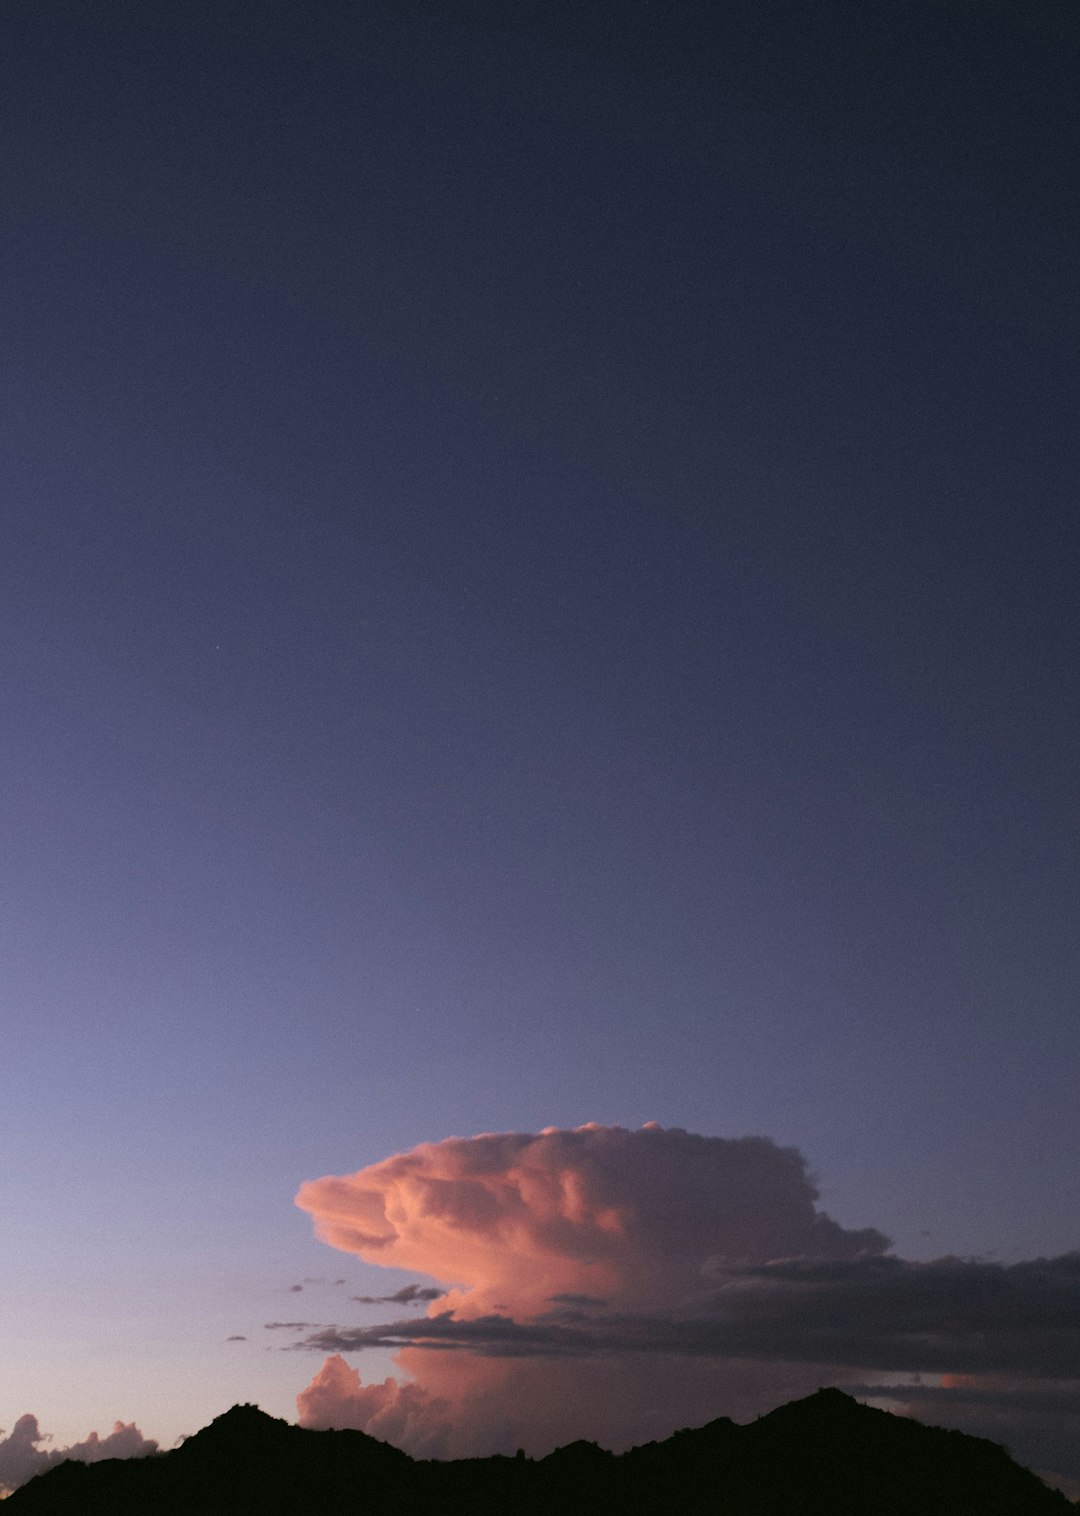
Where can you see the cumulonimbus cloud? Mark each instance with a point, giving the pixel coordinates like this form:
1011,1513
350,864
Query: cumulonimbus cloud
632,1216
25,1451
612,1283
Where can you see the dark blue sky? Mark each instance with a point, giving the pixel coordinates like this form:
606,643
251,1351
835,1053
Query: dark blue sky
538,584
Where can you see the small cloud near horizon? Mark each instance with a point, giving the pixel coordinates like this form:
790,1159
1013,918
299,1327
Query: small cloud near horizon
22,1455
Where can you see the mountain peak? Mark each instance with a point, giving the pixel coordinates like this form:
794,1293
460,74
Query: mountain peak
825,1453
241,1421
245,1413
824,1405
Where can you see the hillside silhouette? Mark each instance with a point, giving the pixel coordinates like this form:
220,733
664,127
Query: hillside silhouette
827,1455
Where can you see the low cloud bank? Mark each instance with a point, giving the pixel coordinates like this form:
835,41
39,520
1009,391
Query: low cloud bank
943,1317
616,1284
24,1452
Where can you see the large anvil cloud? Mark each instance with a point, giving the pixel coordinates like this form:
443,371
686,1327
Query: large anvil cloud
616,1283
632,1217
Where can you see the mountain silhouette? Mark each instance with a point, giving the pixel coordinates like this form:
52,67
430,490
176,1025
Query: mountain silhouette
827,1455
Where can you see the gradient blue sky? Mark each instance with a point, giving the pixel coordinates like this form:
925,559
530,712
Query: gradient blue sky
537,585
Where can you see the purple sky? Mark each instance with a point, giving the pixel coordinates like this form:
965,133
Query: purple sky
538,585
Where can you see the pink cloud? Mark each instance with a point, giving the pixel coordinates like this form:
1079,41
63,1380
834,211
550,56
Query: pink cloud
617,1284
22,1454
404,1414
537,1239
635,1218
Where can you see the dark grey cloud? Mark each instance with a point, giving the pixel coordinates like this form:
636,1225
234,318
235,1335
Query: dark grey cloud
1030,1399
236,1337
490,1336
409,1294
953,1315
289,1326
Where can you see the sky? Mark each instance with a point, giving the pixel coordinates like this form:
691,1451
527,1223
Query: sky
538,560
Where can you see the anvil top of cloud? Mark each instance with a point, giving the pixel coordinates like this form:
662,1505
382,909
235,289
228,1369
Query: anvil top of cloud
615,1284
635,1218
